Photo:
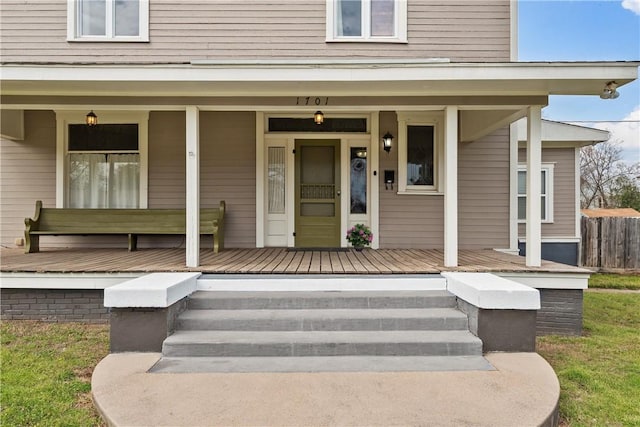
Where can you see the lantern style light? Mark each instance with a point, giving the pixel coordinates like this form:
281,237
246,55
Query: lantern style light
386,142
91,118
318,117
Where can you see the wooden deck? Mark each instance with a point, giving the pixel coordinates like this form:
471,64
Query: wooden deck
267,261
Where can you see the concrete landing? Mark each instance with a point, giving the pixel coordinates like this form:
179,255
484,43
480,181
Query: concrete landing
321,364
523,390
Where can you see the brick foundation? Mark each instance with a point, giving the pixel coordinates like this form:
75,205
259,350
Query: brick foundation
560,312
54,305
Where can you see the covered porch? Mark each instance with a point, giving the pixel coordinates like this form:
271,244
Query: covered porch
204,136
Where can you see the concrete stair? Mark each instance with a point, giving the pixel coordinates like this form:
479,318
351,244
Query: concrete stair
321,331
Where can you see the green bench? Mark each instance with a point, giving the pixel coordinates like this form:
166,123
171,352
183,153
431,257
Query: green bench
131,222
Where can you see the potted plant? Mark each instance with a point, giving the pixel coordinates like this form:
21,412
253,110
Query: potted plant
359,236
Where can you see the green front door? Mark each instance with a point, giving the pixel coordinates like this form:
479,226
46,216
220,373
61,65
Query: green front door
317,193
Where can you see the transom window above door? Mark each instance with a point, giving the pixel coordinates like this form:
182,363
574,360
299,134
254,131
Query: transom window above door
367,21
108,20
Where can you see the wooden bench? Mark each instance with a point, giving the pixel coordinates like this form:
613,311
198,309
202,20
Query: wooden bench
131,222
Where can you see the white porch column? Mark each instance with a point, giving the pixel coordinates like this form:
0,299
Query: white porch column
451,186
534,167
193,186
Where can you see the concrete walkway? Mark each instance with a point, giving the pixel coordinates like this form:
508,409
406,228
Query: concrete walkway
522,391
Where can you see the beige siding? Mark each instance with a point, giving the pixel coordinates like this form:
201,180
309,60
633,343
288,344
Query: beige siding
27,173
406,221
564,195
414,221
227,173
483,192
181,31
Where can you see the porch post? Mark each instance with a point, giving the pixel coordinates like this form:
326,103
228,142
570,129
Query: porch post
193,186
451,187
534,167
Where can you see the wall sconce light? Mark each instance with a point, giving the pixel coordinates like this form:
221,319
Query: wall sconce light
609,91
386,141
318,117
91,118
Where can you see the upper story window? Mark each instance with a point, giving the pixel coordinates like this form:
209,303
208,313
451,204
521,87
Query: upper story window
367,20
108,20
420,152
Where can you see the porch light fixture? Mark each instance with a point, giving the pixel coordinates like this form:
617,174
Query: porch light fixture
91,118
609,91
318,117
386,142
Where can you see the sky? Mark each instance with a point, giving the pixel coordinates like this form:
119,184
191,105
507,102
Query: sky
587,30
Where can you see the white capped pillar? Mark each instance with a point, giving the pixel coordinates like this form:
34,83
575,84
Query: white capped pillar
193,186
534,171
451,187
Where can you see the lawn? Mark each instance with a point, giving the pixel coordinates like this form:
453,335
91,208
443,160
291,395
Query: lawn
46,373
614,281
600,372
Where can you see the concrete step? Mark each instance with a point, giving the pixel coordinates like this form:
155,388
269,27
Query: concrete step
322,364
319,300
324,320
320,343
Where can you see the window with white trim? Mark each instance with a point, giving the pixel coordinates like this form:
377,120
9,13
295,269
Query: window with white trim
420,151
102,166
367,20
546,193
108,20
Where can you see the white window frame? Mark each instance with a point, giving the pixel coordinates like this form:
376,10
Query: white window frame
74,24
431,118
65,118
400,24
547,193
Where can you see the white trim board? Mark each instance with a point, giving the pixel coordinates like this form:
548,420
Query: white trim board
77,281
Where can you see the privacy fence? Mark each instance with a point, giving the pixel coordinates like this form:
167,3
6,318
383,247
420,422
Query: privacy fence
611,242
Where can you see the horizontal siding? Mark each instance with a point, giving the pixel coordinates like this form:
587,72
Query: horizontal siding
406,221
412,221
564,193
227,145
180,31
27,173
483,192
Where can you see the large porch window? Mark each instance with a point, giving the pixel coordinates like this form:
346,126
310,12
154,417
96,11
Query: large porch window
104,166
367,20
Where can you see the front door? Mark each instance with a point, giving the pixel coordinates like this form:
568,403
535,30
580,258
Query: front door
317,189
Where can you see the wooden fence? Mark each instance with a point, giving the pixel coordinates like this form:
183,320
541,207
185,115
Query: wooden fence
611,242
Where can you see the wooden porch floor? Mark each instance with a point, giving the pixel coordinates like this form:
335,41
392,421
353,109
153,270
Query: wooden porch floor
267,261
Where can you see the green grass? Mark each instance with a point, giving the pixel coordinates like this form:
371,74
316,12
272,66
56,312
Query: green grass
46,373
614,281
600,372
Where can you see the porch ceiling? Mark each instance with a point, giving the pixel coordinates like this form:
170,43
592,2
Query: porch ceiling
329,78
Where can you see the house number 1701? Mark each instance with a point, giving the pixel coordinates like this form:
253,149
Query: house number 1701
310,100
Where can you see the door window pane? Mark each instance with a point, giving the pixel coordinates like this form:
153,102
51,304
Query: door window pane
127,18
349,18
358,173
420,155
276,171
382,18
